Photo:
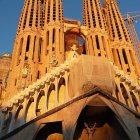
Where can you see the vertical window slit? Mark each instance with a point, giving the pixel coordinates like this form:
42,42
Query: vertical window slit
97,42
27,47
34,48
53,35
124,56
39,49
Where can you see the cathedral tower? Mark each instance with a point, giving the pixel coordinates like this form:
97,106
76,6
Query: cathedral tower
64,82
38,44
124,55
94,19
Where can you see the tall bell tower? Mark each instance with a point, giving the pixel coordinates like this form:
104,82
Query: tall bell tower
39,43
124,55
97,38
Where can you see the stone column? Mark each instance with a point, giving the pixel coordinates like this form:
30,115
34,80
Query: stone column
66,84
35,104
12,123
46,98
120,92
56,92
23,119
90,45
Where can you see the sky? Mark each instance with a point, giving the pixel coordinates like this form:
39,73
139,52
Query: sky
10,11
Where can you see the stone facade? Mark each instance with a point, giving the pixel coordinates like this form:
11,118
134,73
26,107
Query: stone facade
69,81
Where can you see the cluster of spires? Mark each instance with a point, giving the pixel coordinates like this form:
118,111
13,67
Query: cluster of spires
42,36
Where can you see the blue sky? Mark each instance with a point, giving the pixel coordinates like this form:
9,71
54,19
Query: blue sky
10,11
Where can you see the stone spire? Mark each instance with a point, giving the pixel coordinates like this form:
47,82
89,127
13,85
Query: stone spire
52,11
124,55
31,15
93,16
94,19
39,43
117,26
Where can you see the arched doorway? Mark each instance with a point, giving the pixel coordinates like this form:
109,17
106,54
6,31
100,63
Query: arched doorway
50,131
99,123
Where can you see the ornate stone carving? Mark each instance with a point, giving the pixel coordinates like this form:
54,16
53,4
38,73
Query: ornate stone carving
53,60
90,128
24,72
87,86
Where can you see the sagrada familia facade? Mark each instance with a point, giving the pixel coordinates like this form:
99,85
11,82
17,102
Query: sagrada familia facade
69,81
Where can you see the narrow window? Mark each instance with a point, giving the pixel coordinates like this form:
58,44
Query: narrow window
53,49
15,82
97,42
47,38
20,48
124,56
38,75
53,35
39,49
59,40
28,43
0,81
119,57
34,48
27,47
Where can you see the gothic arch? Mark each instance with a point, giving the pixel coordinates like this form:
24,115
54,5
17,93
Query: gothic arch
99,121
117,93
125,95
40,103
51,97
135,102
19,113
29,110
61,91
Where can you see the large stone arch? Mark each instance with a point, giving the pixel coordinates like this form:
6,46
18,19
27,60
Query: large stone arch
123,125
125,95
99,122
40,103
47,132
61,91
75,36
19,114
29,110
51,97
